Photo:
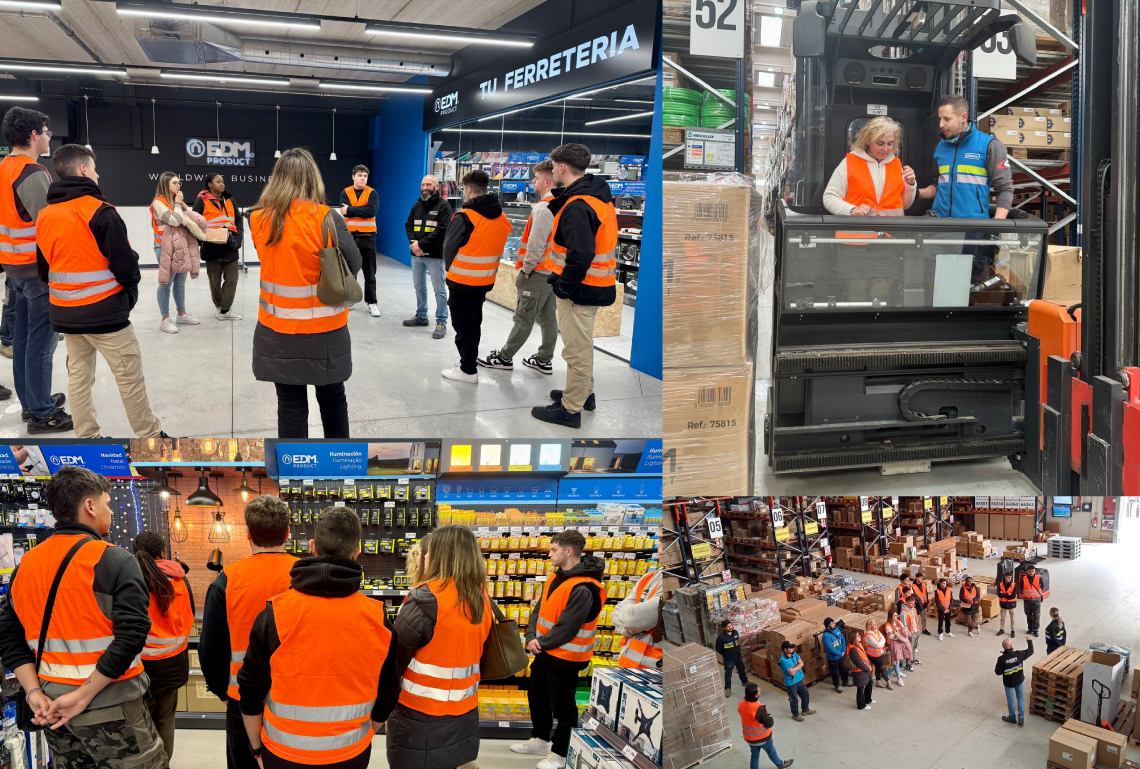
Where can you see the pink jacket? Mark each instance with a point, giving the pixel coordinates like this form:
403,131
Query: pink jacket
180,247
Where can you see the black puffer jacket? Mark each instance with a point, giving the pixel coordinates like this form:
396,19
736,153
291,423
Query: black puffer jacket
577,231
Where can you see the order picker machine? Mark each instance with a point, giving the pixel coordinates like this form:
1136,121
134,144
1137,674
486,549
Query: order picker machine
896,341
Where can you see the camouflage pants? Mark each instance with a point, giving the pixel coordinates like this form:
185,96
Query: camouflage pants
119,737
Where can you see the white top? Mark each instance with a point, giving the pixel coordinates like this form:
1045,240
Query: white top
836,191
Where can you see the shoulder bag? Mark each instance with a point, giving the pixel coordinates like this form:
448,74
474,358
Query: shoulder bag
337,286
24,713
503,652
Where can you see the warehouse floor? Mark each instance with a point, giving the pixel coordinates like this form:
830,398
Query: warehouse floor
949,713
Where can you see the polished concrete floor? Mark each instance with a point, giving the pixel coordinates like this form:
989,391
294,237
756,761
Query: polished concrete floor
200,381
948,716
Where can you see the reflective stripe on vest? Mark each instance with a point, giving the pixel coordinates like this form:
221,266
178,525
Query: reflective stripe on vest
754,731
963,186
1031,589
477,262
290,270
540,267
603,266
356,200
169,634
251,582
944,599
639,651
921,594
156,226
78,272
911,620
580,648
220,213
874,642
17,235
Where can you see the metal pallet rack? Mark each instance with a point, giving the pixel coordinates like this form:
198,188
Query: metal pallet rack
875,523
792,553
689,570
933,509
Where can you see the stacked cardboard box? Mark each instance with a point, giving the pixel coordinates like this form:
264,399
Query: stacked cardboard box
803,634
696,723
1110,746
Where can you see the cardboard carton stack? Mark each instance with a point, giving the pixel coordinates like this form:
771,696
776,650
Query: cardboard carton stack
1032,127
1110,746
801,633
974,545
696,723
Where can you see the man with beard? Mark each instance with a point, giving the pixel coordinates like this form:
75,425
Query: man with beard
426,228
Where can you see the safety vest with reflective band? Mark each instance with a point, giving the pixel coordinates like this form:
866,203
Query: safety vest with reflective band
970,595
78,272
219,213
911,617
581,647
79,632
17,236
920,594
156,227
251,582
541,266
290,270
477,262
355,199
168,635
443,677
901,592
1031,588
1007,596
963,183
858,649
944,598
754,731
319,707
1014,665
639,651
603,268
875,642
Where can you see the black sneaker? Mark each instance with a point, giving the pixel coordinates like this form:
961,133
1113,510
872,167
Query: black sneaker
59,422
5,393
538,364
416,321
556,415
495,360
1001,632
440,331
590,405
59,399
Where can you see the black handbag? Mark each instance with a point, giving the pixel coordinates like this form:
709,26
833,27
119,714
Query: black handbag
24,712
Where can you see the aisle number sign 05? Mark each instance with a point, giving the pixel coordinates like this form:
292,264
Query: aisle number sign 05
716,28
716,530
702,550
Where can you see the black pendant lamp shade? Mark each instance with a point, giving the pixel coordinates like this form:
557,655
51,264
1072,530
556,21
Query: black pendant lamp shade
215,562
203,497
164,489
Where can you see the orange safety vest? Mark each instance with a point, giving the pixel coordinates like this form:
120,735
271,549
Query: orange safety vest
603,267
316,714
920,594
911,618
944,598
639,651
541,266
477,262
251,582
443,677
1031,589
970,595
169,635
862,654
581,647
17,235
861,191
1007,595
356,199
290,271
80,631
156,226
78,272
901,592
219,213
754,731
874,641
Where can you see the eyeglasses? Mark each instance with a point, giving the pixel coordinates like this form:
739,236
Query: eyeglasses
176,181
46,132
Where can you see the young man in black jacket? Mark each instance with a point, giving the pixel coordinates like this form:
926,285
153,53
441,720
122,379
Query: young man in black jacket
358,205
427,228
728,647
92,272
1010,666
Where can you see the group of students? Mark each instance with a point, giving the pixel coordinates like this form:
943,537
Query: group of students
309,667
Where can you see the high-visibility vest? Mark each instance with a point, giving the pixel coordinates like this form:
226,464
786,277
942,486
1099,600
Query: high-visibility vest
1007,596
17,235
970,594
603,267
963,190
754,731
156,227
319,707
639,651
901,592
80,631
443,677
920,593
861,187
875,642
219,213
477,262
523,249
290,271
580,648
251,582
911,618
858,649
169,635
78,272
944,598
1031,588
355,199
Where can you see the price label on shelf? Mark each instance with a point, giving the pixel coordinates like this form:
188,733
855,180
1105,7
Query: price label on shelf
483,530
496,556
348,482
927,503
944,500
866,516
338,504
702,550
783,535
514,556
504,724
592,724
812,528
307,482
409,535
629,752
540,579
716,28
716,529
283,484
389,504
401,481
504,578
515,530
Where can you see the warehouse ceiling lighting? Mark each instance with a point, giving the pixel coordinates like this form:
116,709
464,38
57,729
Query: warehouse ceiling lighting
220,15
17,97
65,70
369,87
220,78
771,28
450,34
620,117
30,6
545,133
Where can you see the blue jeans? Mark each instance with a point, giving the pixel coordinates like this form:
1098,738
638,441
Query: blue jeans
178,285
800,689
33,345
8,326
420,268
769,747
1018,692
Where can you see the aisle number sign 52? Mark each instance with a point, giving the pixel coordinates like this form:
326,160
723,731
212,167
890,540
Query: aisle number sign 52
716,28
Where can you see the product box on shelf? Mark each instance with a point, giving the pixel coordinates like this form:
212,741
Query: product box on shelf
639,719
199,699
605,691
586,749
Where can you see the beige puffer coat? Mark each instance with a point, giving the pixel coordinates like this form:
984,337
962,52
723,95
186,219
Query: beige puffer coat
180,247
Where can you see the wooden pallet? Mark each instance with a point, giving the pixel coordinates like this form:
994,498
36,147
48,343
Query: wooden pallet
1054,691
1064,667
1052,715
1125,717
1037,153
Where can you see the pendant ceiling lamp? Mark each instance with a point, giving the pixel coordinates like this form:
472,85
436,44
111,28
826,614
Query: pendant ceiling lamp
179,531
219,532
154,130
203,497
244,489
215,562
164,490
277,151
333,155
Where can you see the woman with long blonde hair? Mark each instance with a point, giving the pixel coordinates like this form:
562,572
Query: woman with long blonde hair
414,560
440,631
872,180
177,230
298,340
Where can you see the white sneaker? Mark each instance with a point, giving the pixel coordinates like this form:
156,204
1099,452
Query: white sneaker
866,707
901,682
186,319
374,311
939,636
533,746
457,375
552,761
902,675
949,634
226,315
168,326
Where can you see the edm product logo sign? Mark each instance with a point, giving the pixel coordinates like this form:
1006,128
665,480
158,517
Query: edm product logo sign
298,459
69,460
220,152
445,105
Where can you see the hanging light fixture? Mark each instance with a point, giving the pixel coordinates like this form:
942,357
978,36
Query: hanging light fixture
179,531
154,130
244,489
215,562
164,490
333,155
203,497
277,144
219,532
87,120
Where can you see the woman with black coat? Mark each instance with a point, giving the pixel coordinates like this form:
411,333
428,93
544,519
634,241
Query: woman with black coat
862,674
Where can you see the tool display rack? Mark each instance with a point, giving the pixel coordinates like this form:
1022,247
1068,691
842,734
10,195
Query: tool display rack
804,550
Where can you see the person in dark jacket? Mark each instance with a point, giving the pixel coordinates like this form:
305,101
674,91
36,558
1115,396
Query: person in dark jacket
834,647
728,647
863,672
970,597
103,720
1010,666
221,259
756,724
427,229
362,223
581,288
102,326
1055,633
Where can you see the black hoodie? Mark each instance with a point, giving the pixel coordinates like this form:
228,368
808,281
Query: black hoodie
583,606
459,232
113,313
577,232
326,577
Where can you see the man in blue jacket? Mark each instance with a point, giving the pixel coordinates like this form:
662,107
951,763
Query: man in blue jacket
834,647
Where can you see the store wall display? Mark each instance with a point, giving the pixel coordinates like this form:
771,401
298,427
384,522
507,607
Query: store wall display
204,450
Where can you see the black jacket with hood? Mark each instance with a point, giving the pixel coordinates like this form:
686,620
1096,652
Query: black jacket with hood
113,313
577,232
231,249
583,605
459,231
438,209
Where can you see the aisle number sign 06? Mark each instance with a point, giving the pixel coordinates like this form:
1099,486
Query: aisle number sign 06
716,28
